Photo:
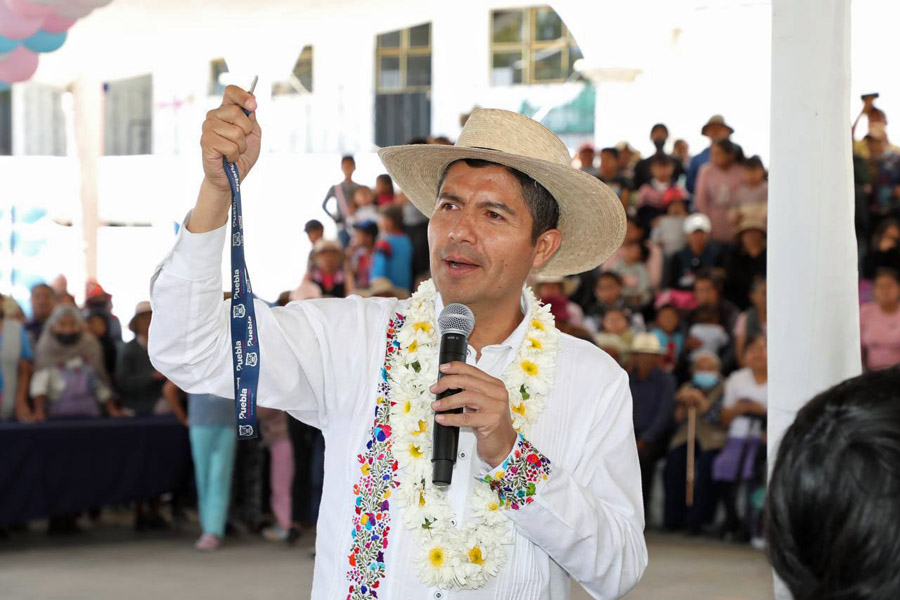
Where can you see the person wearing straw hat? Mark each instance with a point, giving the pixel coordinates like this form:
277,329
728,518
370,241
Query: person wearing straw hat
653,391
546,485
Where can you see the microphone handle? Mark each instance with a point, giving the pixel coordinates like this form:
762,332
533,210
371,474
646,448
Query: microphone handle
445,440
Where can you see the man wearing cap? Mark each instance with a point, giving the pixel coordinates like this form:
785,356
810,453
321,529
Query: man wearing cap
715,129
546,485
699,253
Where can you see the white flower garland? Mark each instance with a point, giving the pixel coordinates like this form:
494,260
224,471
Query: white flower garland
468,556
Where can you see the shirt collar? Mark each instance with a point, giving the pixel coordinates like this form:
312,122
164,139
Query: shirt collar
516,337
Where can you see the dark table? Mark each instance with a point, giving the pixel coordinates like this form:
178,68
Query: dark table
63,467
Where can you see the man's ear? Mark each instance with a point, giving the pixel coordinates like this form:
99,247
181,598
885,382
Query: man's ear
545,247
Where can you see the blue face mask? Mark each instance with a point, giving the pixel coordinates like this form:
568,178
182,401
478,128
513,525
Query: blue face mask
706,379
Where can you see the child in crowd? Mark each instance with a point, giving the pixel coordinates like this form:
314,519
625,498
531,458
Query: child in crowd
608,295
328,272
707,333
668,230
362,253
668,331
635,276
274,429
616,322
751,198
363,207
384,190
651,195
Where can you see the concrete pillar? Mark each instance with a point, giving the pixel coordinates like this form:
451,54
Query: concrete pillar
89,139
813,319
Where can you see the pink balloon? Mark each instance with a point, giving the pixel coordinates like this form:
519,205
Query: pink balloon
20,65
15,26
56,24
27,9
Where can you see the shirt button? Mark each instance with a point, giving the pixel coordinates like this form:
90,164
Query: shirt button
453,522
462,456
438,595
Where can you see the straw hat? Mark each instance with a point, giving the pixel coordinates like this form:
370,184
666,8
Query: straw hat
569,284
646,343
716,120
751,222
592,220
382,287
143,307
323,245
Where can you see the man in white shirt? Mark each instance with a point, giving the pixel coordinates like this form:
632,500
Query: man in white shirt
546,484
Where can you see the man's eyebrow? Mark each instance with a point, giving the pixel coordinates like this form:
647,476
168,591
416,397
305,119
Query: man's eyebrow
449,196
500,206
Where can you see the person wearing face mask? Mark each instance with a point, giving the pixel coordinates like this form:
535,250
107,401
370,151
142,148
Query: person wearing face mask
703,393
140,384
70,379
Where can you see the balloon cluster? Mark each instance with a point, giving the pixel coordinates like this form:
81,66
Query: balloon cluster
31,27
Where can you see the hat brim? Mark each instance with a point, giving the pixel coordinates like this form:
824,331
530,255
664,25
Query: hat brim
135,318
706,127
591,219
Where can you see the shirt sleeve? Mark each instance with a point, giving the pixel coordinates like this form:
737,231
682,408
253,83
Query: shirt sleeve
589,519
40,383
316,357
27,352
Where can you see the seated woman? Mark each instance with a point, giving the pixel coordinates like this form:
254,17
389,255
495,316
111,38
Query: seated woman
744,413
69,379
834,519
704,394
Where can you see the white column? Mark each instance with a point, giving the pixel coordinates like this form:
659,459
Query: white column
89,137
813,320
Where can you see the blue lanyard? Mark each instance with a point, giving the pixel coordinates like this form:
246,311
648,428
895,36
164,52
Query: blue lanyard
244,336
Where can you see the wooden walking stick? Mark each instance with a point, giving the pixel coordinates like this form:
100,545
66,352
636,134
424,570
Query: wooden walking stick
691,440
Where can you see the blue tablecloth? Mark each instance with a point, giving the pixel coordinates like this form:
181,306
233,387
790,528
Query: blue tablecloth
63,467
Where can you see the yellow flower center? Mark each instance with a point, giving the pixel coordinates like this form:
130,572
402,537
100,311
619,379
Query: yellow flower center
519,409
493,506
436,557
475,556
422,426
422,326
414,346
535,344
538,325
530,368
407,406
414,451
421,498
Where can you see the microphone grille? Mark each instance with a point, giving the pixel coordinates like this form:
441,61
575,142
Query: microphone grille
457,318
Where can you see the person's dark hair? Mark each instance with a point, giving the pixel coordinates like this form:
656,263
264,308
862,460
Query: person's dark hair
610,275
541,203
877,114
833,509
729,147
611,150
752,339
887,272
386,179
417,140
661,159
754,162
714,276
659,126
313,225
368,227
347,157
883,226
39,286
394,214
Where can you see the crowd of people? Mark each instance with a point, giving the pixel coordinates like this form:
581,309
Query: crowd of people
681,305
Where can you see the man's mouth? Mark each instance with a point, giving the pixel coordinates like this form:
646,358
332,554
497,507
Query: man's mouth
459,264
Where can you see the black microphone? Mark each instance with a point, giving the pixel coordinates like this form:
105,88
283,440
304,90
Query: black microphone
456,323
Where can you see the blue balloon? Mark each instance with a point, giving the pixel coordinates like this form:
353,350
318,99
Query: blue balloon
43,41
7,45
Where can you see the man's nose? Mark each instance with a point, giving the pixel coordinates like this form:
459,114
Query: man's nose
462,229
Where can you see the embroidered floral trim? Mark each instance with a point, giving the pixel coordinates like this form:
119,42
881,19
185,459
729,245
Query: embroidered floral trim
468,555
371,521
515,480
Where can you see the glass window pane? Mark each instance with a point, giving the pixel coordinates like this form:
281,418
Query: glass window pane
506,68
418,70
507,25
548,64
389,40
420,36
389,78
547,26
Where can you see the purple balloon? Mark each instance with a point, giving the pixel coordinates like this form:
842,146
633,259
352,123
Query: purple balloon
15,26
20,65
